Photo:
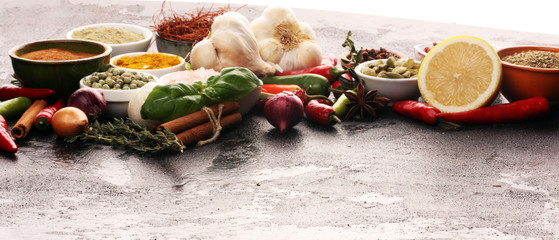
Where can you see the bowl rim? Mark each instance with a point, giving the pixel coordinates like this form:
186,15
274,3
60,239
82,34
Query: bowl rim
133,54
363,76
107,52
119,92
157,36
527,48
148,34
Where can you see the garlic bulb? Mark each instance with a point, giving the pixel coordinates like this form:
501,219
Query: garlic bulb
230,43
283,40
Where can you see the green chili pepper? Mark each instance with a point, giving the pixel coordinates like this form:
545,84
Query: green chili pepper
168,102
340,106
14,107
314,84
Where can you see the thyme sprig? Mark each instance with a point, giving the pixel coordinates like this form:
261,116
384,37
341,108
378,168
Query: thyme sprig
356,57
128,134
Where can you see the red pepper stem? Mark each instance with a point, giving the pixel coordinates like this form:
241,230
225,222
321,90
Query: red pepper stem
335,118
447,124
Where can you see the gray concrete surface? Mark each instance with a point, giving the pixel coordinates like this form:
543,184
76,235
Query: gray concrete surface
388,178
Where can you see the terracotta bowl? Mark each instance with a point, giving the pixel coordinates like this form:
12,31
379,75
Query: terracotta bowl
521,82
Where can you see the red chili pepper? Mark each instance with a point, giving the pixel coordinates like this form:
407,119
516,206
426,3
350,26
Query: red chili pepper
9,91
329,60
326,101
321,113
301,94
6,142
43,119
277,88
518,111
417,110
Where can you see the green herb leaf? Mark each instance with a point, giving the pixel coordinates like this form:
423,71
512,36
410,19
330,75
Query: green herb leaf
171,101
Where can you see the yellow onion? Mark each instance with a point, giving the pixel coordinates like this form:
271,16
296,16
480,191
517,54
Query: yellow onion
69,121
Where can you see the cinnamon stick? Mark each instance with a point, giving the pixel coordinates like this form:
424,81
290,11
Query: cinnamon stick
194,119
25,122
205,130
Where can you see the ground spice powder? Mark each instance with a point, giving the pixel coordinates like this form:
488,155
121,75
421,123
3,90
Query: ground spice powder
108,35
148,61
55,54
537,59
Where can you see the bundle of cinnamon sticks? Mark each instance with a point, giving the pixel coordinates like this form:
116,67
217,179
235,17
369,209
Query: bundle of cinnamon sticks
204,125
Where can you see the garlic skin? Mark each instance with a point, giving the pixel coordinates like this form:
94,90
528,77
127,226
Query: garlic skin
283,40
230,43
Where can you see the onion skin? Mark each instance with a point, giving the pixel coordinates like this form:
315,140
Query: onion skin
284,110
69,121
90,101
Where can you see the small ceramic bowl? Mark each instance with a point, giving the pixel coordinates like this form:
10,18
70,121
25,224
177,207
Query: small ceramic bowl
117,99
419,50
394,89
61,76
396,54
248,101
157,72
521,82
179,48
138,46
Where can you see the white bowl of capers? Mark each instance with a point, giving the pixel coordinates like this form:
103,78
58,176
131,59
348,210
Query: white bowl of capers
393,78
117,86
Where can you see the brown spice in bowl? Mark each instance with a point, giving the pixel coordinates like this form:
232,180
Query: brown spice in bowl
55,54
537,59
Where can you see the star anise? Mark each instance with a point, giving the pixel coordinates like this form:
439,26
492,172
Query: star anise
362,102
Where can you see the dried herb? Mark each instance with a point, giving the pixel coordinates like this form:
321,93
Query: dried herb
353,61
364,102
190,27
128,134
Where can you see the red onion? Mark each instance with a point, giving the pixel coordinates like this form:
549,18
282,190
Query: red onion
284,110
90,101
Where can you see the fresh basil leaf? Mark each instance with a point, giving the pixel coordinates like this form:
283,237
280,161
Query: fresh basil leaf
231,84
168,102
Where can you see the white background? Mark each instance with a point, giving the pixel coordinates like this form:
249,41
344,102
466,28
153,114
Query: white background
527,16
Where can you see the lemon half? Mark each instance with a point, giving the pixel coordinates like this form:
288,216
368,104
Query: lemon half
459,74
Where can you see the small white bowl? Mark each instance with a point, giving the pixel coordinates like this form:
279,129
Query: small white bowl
157,72
117,100
419,52
247,102
394,89
138,46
